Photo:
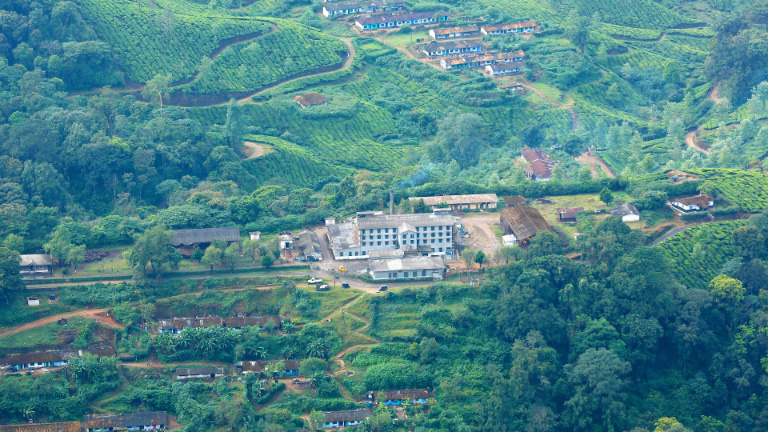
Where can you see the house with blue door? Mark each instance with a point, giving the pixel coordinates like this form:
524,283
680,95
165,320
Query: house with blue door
47,359
346,418
362,7
385,21
504,68
398,397
516,27
472,60
454,32
436,48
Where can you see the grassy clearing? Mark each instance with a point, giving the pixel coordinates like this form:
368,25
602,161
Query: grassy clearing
54,335
17,311
398,39
332,300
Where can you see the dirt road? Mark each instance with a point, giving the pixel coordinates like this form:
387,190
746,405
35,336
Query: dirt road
593,162
690,141
99,315
347,63
481,235
714,93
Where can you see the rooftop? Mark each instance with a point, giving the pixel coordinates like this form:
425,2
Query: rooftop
569,213
700,200
406,264
394,221
309,243
403,394
199,371
625,210
343,236
334,6
510,26
206,235
125,421
450,45
524,221
36,259
398,17
457,199
347,415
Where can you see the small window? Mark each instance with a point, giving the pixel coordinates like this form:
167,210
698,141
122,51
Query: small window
386,243
379,231
341,254
423,272
379,243
433,228
363,243
405,274
355,253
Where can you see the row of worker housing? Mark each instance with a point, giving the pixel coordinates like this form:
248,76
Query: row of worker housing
142,421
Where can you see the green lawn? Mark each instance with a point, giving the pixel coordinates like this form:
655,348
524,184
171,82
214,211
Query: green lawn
332,300
398,39
49,336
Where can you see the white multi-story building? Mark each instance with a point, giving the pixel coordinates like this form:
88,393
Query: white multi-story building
425,233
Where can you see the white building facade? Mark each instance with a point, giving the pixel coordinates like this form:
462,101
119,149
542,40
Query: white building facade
375,231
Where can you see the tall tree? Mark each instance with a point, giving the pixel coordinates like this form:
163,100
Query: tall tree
579,30
157,88
212,256
10,276
154,248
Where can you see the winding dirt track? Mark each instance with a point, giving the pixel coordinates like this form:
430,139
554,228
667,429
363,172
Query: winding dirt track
99,315
592,162
347,63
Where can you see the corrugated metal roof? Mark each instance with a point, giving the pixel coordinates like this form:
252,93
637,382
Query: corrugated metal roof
206,235
125,421
524,221
394,221
408,16
347,415
406,264
36,259
510,26
454,30
457,199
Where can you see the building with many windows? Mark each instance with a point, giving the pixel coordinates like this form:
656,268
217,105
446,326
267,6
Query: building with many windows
420,233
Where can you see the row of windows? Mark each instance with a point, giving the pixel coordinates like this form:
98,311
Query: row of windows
394,230
394,237
394,243
364,253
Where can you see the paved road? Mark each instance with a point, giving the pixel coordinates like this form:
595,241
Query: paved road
670,233
204,276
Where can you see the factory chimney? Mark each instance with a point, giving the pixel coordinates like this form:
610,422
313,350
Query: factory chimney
391,201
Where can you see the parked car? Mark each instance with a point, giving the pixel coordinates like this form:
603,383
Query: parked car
314,280
383,288
344,285
323,287
11,369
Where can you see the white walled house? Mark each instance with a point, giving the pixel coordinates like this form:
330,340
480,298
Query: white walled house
693,203
432,268
454,32
627,213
